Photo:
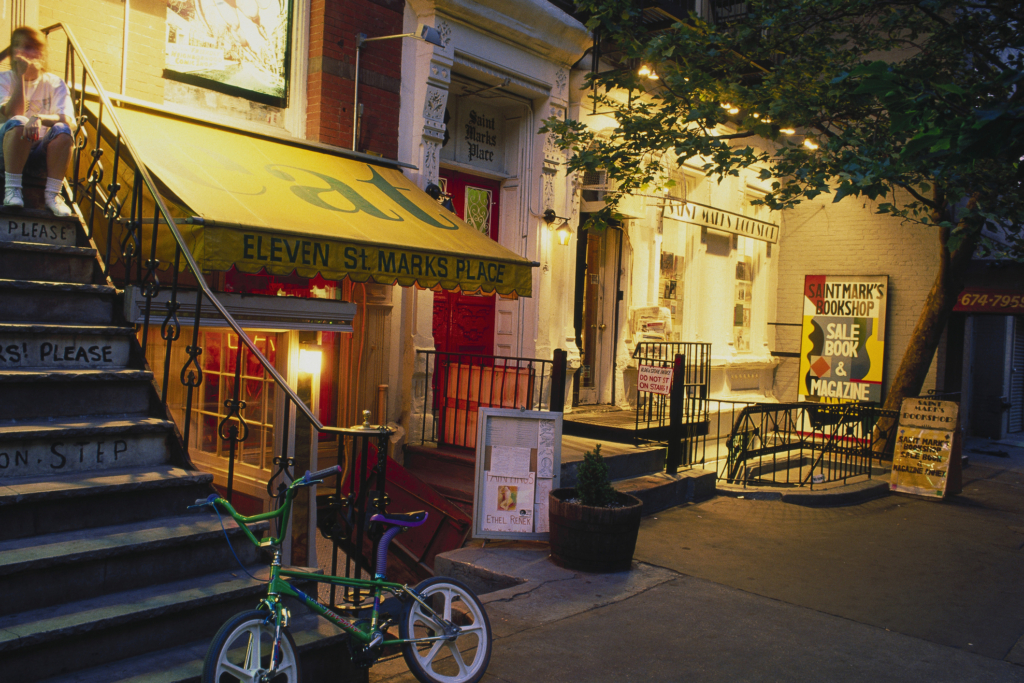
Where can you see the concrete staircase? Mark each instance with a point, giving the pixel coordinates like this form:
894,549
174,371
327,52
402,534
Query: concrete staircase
638,471
104,575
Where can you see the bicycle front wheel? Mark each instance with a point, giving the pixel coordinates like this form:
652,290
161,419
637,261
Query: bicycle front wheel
462,660
241,651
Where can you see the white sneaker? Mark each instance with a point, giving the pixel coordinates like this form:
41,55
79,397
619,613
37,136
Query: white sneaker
13,198
55,203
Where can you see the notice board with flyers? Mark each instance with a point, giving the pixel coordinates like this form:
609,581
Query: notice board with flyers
518,462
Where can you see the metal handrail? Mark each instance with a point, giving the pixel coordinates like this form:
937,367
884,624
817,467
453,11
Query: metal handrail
142,171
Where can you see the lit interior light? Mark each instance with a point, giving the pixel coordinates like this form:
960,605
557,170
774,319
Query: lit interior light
734,110
726,105
767,119
564,232
310,361
756,115
653,76
644,71
810,144
787,131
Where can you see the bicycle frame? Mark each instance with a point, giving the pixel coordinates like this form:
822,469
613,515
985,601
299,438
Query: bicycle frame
278,585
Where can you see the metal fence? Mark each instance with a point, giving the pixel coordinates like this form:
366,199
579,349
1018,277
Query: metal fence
653,409
793,444
457,385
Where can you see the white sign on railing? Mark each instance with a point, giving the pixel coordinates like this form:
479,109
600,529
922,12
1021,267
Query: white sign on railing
654,379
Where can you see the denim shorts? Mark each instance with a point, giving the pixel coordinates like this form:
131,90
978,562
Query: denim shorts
37,155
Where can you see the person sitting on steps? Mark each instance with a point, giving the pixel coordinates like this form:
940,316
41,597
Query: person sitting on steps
38,120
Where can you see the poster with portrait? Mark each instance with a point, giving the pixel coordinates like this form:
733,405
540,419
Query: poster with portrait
237,47
842,344
518,462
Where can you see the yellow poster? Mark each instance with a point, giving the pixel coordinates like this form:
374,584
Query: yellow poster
842,344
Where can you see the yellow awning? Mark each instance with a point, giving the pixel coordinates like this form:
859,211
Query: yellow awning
269,204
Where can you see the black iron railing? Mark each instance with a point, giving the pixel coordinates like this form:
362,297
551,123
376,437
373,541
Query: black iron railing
457,385
653,409
794,444
125,216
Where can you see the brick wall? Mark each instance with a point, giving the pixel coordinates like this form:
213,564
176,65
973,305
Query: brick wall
333,27
99,27
848,238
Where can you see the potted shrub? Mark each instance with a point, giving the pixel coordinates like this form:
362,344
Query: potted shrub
593,527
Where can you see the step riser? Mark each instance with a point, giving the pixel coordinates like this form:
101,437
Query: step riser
38,230
101,645
57,307
63,352
124,507
424,461
27,265
29,400
90,578
57,456
624,466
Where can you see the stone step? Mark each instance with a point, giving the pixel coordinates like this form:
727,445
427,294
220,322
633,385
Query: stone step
48,505
27,346
51,262
55,302
39,227
57,640
450,461
35,394
624,462
662,491
77,565
323,651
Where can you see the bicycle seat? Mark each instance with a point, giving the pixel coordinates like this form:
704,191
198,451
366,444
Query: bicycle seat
401,518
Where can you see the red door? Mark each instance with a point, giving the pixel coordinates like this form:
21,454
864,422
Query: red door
464,323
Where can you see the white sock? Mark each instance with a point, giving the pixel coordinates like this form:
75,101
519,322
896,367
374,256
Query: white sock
12,180
53,185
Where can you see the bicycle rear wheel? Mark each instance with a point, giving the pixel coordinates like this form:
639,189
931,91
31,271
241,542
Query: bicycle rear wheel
462,660
241,649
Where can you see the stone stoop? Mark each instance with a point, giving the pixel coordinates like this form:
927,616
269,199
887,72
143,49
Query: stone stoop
106,576
639,471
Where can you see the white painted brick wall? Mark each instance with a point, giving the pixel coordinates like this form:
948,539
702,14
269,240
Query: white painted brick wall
849,238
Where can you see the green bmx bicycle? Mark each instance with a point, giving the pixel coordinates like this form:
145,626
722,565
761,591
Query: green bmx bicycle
443,630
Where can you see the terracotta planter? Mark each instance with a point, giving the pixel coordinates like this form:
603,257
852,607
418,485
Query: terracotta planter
593,539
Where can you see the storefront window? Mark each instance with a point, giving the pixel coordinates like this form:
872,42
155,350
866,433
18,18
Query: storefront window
670,286
742,301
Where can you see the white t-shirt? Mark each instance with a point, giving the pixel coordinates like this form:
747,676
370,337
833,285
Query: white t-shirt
48,94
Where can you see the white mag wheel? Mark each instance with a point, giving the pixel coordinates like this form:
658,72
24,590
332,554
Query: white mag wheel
462,660
241,651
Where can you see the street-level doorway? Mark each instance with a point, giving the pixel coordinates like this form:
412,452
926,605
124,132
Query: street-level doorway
597,253
464,323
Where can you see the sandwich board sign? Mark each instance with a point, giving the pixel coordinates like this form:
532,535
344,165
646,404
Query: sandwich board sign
927,460
518,462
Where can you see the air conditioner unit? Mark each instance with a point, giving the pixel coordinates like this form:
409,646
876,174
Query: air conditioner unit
595,185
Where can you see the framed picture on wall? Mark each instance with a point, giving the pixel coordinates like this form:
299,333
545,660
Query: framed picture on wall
236,50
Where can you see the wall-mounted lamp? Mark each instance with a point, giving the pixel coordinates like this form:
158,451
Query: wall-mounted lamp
423,32
310,359
563,231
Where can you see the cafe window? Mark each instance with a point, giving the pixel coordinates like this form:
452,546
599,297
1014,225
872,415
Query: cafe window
257,390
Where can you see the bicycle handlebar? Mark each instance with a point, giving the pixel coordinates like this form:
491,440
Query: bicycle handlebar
336,469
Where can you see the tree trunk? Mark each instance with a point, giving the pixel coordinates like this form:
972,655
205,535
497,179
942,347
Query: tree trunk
924,341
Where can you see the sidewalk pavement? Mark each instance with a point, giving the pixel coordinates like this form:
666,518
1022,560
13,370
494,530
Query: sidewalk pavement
892,589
